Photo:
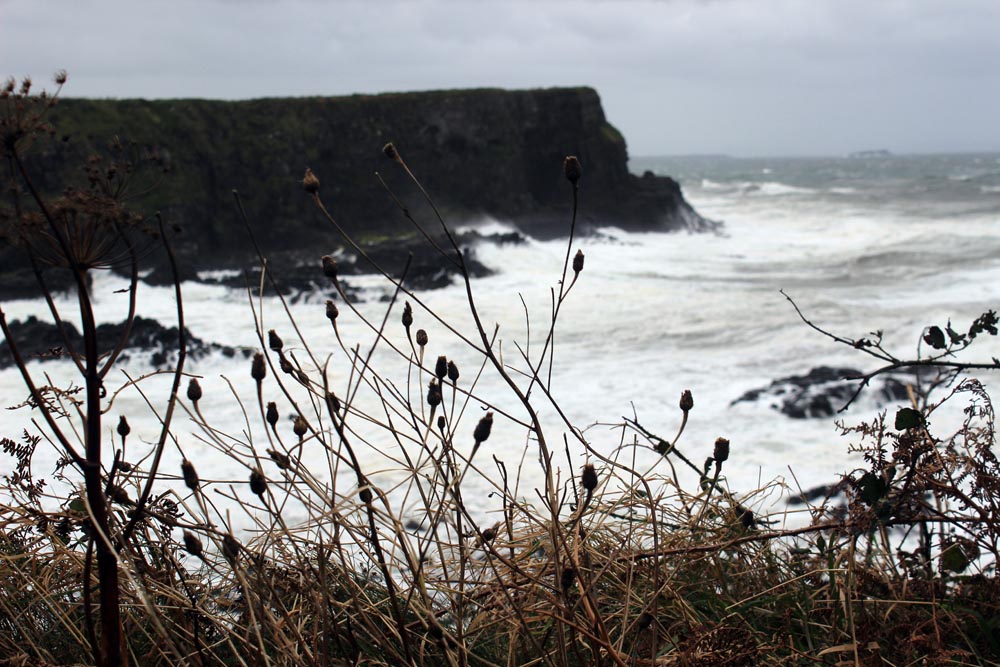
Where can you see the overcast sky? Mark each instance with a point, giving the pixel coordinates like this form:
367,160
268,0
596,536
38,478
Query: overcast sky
743,77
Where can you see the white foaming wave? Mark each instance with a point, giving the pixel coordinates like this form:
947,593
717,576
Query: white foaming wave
775,188
486,226
989,189
844,191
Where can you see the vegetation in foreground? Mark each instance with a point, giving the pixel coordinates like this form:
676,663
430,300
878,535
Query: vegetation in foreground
605,564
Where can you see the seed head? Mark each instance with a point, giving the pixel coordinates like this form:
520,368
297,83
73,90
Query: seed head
433,394
421,337
230,547
365,494
483,428
721,451
441,367
578,261
285,365
274,341
333,401
272,413
452,371
329,267
60,77
258,483
589,478
489,534
310,183
192,544
390,152
191,480
687,400
300,427
281,460
25,85
194,392
123,428
258,370
332,312
442,422
407,315
572,169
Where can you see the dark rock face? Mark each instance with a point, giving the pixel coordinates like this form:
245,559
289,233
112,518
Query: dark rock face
821,392
479,152
42,340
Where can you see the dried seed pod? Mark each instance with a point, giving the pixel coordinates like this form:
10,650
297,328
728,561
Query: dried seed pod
271,415
191,480
489,534
687,400
366,495
589,478
194,392
60,77
258,483
433,394
407,315
441,422
721,451
310,183
452,371
421,337
483,428
300,427
274,341
578,261
572,169
258,369
332,312
281,460
285,365
333,402
390,151
329,267
230,547
192,544
118,495
441,367
123,428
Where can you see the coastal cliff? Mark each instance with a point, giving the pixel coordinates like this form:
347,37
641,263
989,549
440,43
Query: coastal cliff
484,152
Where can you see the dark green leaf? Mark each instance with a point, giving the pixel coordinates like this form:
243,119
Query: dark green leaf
873,488
908,418
935,338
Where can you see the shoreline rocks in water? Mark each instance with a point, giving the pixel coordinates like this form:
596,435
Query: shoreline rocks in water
821,392
38,340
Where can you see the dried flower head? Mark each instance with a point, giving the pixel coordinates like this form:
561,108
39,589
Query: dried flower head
194,392
578,261
191,479
283,461
452,371
333,402
258,369
274,341
421,337
721,450
589,478
390,152
332,312
441,367
433,394
483,428
310,183
572,169
330,267
687,400
442,422
271,415
192,544
407,315
123,428
60,77
258,483
300,427
230,547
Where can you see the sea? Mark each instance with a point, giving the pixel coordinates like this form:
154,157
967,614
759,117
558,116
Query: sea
864,244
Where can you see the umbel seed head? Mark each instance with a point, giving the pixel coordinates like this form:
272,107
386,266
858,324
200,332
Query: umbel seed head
687,400
272,413
721,451
258,370
329,267
572,169
194,392
441,367
191,480
123,428
274,341
483,428
309,182
421,337
332,312
589,478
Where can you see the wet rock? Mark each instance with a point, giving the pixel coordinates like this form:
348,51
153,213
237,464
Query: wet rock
822,392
